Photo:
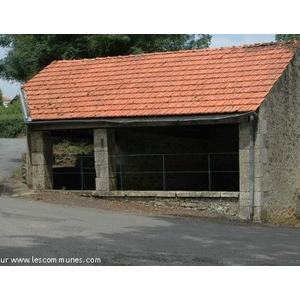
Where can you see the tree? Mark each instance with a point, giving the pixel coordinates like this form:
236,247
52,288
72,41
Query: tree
287,37
30,53
1,97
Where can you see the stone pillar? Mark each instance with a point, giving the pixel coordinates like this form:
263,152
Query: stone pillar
28,158
244,159
244,162
261,160
41,160
104,143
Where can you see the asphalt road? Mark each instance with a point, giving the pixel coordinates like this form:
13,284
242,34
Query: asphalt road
10,155
37,231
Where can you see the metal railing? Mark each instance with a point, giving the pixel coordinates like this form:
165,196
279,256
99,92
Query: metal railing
167,171
80,170
191,163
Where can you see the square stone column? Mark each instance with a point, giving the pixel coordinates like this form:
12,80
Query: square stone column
41,157
28,158
244,164
244,161
104,144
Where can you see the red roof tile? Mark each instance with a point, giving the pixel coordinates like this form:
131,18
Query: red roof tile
209,81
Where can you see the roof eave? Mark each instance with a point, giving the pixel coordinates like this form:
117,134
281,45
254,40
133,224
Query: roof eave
139,120
24,105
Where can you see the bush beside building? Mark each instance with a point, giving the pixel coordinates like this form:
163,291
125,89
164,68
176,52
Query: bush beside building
11,121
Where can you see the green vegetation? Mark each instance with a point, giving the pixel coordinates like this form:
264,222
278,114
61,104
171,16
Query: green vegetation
30,53
63,146
17,174
11,121
287,37
1,98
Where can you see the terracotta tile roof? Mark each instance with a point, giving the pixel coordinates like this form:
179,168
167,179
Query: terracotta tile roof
209,81
6,99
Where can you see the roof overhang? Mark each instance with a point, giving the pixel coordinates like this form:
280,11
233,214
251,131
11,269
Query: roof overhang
138,121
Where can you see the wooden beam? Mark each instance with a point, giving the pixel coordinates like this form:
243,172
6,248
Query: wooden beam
90,124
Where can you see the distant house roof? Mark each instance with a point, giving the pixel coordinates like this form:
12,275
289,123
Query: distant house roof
6,100
193,82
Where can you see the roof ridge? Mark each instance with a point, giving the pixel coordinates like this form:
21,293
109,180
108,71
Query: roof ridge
209,49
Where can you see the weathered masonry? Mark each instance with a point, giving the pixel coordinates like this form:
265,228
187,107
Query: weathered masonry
214,129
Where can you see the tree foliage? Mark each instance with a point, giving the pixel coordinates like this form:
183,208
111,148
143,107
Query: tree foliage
30,53
287,37
1,97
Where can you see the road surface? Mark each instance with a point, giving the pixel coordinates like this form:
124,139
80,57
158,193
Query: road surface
42,233
10,157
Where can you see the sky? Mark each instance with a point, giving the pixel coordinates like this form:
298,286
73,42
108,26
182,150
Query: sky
11,89
227,40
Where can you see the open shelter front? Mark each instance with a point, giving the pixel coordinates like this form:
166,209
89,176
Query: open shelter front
186,158
140,158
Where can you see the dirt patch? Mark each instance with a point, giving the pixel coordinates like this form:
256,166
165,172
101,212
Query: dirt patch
13,186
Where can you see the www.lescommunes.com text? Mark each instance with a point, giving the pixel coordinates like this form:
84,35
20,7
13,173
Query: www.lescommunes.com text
49,260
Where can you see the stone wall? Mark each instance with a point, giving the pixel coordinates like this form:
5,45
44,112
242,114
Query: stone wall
24,167
278,143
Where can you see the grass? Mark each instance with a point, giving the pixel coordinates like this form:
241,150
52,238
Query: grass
17,174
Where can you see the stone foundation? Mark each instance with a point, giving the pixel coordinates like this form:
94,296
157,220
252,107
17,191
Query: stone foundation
222,203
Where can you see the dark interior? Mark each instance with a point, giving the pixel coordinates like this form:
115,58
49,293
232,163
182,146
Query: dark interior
187,158
184,158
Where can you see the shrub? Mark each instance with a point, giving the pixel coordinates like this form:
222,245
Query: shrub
11,121
66,146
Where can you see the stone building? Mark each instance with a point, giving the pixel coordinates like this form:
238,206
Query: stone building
212,129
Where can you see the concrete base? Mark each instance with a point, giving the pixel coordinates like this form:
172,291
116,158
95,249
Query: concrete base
222,203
